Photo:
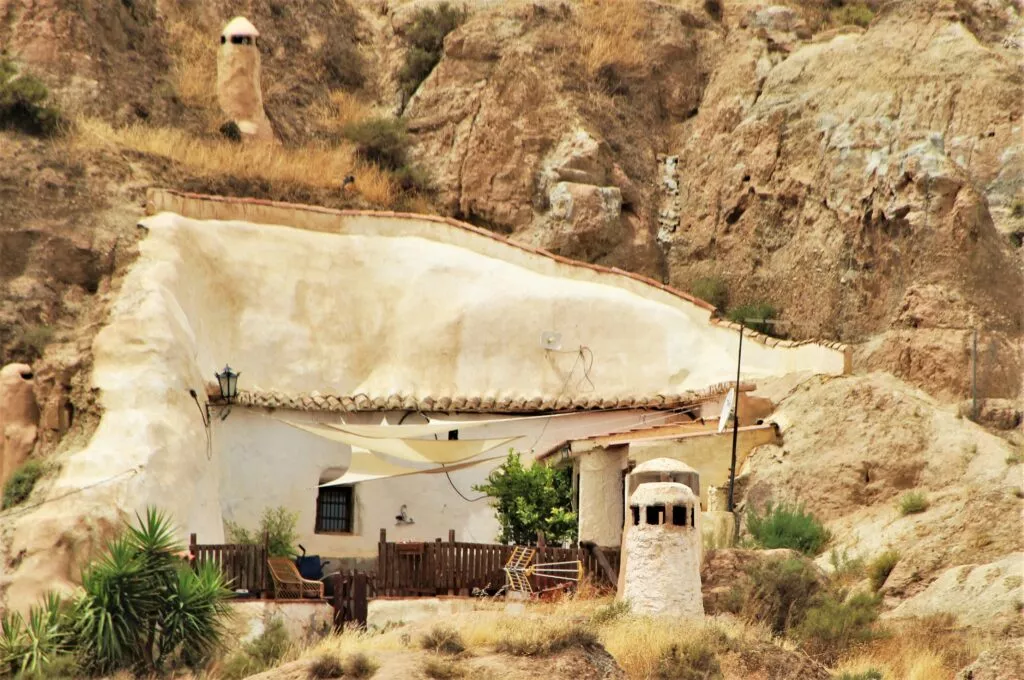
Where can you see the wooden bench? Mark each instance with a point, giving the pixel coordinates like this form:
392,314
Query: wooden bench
288,583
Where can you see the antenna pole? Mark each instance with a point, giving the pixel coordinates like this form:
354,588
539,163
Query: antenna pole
735,420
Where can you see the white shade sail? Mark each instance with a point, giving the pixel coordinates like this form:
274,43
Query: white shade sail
414,450
366,466
414,430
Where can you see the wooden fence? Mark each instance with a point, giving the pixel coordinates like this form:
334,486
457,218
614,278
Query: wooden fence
453,567
351,590
244,566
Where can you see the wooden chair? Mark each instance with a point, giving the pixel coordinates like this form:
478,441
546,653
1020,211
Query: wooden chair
288,583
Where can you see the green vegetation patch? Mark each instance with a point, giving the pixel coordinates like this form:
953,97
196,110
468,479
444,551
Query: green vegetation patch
25,102
425,37
787,526
20,485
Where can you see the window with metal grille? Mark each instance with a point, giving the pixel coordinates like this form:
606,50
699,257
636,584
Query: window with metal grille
334,509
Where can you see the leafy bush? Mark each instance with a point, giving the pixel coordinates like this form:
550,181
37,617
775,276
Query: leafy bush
912,503
380,140
443,640
143,607
854,13
327,666
20,485
780,592
426,36
785,526
712,289
689,661
442,669
833,623
262,652
761,311
846,569
359,666
277,524
881,567
528,500
24,102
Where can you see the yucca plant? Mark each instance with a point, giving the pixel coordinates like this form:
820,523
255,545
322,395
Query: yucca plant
31,646
144,608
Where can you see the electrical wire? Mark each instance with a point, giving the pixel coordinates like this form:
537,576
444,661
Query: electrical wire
22,509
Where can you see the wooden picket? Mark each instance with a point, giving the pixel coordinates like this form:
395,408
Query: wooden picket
244,566
457,568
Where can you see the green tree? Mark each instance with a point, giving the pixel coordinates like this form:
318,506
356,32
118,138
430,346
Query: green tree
531,499
277,524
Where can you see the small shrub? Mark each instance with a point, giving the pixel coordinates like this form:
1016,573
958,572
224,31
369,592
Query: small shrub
25,103
712,289
531,643
327,666
34,338
780,593
380,140
832,624
785,526
413,178
855,14
1015,458
881,567
869,674
359,665
277,524
20,485
37,645
752,315
1017,208
425,37
442,669
262,652
846,569
913,503
609,612
443,640
689,661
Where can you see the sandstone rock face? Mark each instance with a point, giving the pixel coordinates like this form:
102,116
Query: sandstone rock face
19,418
1002,663
860,180
853,446
977,594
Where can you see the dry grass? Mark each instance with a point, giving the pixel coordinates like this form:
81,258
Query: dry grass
311,166
194,66
341,109
610,33
930,648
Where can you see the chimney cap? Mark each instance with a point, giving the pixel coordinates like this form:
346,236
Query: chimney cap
240,26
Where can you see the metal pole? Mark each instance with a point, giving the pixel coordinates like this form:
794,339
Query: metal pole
974,378
735,420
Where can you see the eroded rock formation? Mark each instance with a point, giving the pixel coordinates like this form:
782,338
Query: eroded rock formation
19,418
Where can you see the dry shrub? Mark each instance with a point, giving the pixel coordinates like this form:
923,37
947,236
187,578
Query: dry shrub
694,660
342,109
327,666
359,665
311,166
881,567
443,640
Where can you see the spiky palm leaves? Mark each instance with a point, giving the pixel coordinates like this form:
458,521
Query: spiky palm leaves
142,608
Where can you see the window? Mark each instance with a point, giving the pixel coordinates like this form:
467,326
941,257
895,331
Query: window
679,515
334,510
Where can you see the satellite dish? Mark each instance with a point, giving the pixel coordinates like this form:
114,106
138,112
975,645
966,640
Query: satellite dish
551,340
727,410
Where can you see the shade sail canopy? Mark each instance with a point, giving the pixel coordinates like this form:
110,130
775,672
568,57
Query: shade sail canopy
413,450
366,466
412,431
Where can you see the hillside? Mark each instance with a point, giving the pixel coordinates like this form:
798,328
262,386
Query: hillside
856,167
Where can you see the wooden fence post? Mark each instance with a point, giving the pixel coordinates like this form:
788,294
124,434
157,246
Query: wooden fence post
382,563
359,604
450,576
192,549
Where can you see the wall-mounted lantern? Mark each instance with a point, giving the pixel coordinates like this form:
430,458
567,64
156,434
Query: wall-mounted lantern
228,381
